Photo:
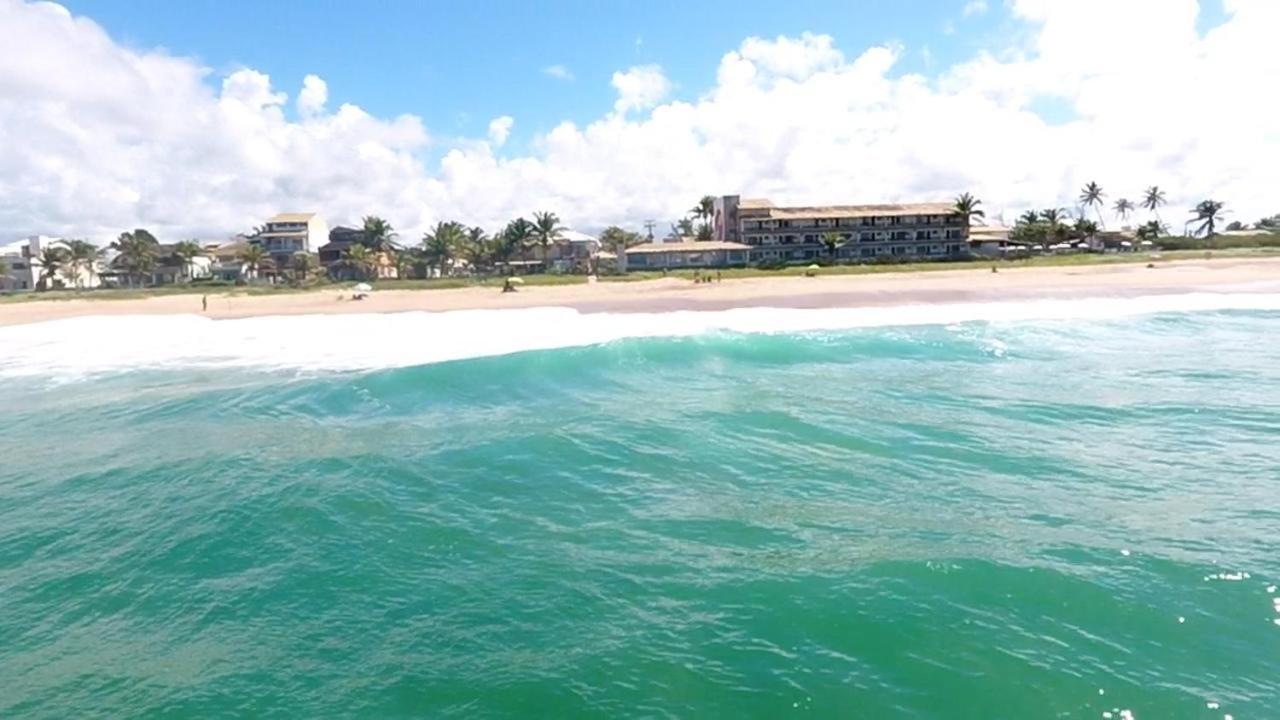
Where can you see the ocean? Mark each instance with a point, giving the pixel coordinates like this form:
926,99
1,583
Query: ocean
1055,509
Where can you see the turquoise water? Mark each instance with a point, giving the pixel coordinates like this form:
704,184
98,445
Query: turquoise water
1032,519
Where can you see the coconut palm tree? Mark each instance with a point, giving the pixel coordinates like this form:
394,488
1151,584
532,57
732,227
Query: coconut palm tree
82,255
187,251
546,230
831,240
516,238
966,206
378,235
440,245
1091,196
616,240
1152,199
53,261
477,248
1209,214
1053,218
1149,231
705,209
1030,217
255,259
360,259
303,264
1123,208
137,253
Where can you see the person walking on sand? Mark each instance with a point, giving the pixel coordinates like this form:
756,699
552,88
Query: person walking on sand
204,303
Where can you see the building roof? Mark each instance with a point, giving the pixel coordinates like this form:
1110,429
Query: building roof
755,203
574,236
843,211
292,218
988,233
683,247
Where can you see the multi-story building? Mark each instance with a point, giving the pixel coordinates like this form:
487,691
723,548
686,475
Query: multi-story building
23,269
289,233
915,231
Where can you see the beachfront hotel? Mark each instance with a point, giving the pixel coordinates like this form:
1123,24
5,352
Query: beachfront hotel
902,232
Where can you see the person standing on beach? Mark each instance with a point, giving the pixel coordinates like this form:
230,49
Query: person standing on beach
204,303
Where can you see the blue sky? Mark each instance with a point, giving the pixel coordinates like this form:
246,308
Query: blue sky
459,64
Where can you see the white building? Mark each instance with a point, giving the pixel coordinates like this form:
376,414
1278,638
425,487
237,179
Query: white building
23,269
289,233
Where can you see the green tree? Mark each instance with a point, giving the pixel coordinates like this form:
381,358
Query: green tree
477,249
187,251
53,261
256,259
440,245
360,259
1084,228
705,209
966,206
683,228
1091,196
137,252
1055,231
378,235
831,240
1029,217
516,238
546,230
1208,213
1123,208
82,259
1152,199
616,240
303,264
1149,231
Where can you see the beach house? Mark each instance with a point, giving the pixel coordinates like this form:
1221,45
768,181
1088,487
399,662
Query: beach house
686,254
333,257
289,233
865,233
23,270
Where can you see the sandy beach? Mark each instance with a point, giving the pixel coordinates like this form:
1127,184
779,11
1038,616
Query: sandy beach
669,294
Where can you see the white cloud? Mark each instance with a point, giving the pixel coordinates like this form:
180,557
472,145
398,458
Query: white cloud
96,137
975,7
500,129
315,93
639,88
558,72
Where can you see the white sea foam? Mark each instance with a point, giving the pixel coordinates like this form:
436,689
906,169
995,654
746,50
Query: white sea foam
89,345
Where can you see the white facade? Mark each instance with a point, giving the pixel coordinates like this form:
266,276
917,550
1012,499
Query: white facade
23,269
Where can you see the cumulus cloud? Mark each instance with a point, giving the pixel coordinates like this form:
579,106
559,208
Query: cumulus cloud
639,88
315,93
499,129
558,72
96,137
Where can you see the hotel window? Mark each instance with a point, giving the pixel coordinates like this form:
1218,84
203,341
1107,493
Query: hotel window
899,250
810,238
922,249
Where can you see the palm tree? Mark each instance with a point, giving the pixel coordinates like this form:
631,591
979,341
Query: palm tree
1209,213
832,241
1030,217
683,228
1123,208
616,240
256,259
1091,196
440,245
705,209
477,248
546,229
137,253
966,206
303,264
1053,218
81,255
187,251
360,259
1149,231
516,237
1085,228
52,261
378,235
1153,199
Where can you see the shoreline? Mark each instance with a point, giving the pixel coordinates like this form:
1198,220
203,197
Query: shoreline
673,294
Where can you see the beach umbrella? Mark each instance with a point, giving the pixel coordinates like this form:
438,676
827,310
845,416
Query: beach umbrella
1125,243
1146,243
815,266
516,281
363,287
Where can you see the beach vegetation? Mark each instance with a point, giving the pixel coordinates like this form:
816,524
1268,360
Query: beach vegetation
1091,195
256,260
1123,208
53,261
1153,199
137,254
377,234
360,259
82,259
546,230
303,265
1208,213
187,251
967,207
